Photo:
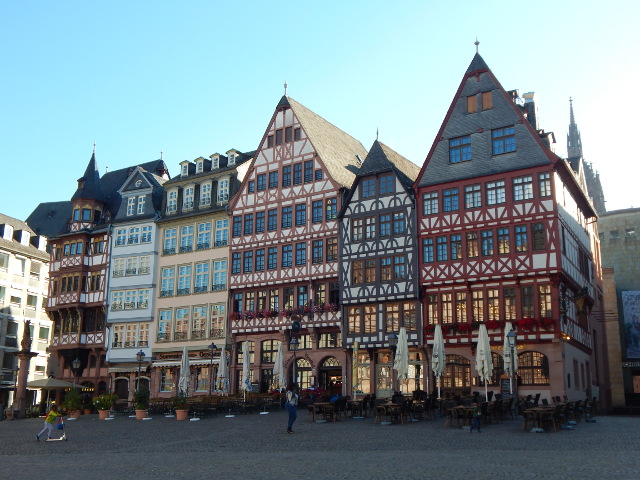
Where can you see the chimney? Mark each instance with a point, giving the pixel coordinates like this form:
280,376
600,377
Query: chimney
531,109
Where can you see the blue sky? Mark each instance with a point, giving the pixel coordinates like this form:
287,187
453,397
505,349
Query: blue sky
197,77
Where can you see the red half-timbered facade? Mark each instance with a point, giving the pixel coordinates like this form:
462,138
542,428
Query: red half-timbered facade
284,248
507,234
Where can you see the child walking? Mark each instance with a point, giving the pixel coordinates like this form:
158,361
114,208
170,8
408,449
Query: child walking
48,422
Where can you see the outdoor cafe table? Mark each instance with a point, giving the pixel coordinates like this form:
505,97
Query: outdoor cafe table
538,414
327,410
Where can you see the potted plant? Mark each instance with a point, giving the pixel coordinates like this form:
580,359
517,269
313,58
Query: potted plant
141,401
181,406
87,407
104,403
72,403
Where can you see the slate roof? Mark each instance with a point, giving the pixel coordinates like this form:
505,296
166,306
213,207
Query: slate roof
90,187
337,150
381,159
50,218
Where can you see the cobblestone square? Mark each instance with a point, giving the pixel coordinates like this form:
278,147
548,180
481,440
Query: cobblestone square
256,446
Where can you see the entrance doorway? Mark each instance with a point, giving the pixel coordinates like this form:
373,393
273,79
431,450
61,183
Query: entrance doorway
330,373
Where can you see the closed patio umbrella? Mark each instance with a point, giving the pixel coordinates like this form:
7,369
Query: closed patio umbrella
221,378
506,355
437,355
246,365
401,362
484,364
183,382
279,368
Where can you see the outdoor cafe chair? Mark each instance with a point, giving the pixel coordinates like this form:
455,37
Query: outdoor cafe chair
529,420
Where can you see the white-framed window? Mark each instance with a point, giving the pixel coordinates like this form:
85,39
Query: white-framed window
119,266
223,191
205,194
141,199
118,336
204,235
232,159
170,241
165,325
182,324
134,235
117,300
166,380
168,281
147,234
184,279
143,335
4,261
200,166
188,197
143,298
202,277
130,339
523,188
132,266
219,275
216,161
172,201
131,206
199,329
130,297
184,169
121,236
145,265
217,320
222,232
186,238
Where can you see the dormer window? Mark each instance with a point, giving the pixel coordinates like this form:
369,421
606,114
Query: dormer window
216,161
76,214
205,194
131,206
232,159
86,214
184,170
172,201
141,204
223,191
199,166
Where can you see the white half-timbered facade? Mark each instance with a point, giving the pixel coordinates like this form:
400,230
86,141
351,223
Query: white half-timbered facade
284,246
378,274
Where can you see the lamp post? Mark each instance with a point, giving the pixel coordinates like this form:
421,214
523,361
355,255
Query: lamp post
511,338
75,366
140,358
212,351
294,343
393,344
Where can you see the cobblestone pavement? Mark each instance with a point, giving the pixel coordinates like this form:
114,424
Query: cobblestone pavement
256,446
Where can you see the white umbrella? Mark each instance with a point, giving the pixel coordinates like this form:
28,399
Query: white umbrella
484,364
437,355
279,368
221,379
183,382
401,362
246,380
506,355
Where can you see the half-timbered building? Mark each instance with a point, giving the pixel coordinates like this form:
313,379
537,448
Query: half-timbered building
284,248
507,234
192,270
378,274
79,237
132,281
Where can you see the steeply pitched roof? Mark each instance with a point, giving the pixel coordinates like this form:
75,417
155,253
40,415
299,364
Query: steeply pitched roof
381,158
336,149
477,64
89,186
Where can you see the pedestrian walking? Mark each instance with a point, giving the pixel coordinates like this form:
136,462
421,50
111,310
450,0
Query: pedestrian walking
477,417
292,405
48,422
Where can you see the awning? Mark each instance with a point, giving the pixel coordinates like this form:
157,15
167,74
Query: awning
131,369
176,363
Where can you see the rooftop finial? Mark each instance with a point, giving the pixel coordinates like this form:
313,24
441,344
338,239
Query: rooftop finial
476,43
285,88
94,147
161,155
377,132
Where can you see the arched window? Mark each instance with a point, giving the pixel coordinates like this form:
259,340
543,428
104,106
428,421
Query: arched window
533,368
303,372
331,362
457,373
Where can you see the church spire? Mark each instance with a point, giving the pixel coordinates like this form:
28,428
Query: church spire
574,144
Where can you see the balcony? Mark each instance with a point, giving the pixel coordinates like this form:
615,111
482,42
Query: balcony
132,271
116,306
180,336
164,337
166,293
184,291
118,273
195,334
217,333
186,248
120,242
169,251
144,304
144,270
133,240
218,287
129,305
116,345
202,289
222,243
202,246
130,343
143,343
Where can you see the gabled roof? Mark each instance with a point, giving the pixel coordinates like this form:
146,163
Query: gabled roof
458,122
337,149
381,159
89,186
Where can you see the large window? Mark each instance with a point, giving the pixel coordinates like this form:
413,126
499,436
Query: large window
503,140
460,149
387,184
287,256
427,250
487,243
533,368
399,223
204,236
368,188
523,188
472,196
450,199
544,182
472,245
538,237
456,247
186,239
219,275
301,214
521,238
286,217
503,241
430,203
496,192
442,253
332,208
301,253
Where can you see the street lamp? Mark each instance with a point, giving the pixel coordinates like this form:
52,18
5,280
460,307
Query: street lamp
75,366
212,351
294,343
393,343
140,358
511,338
